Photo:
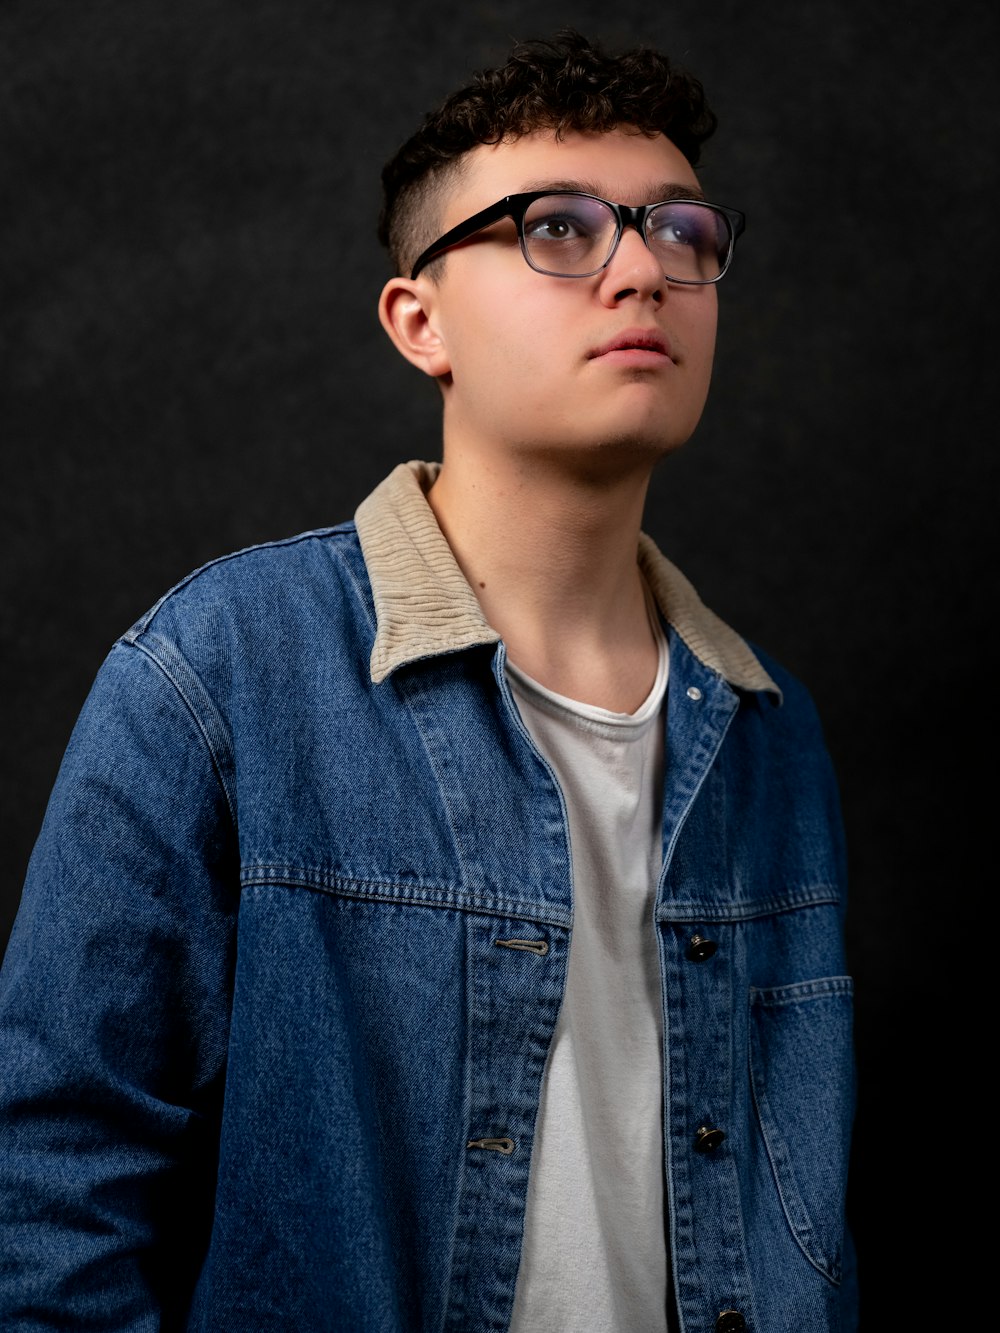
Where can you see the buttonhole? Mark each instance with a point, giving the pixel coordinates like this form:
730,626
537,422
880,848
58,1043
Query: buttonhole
540,947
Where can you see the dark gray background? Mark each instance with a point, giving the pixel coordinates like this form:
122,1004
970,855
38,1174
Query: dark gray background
191,362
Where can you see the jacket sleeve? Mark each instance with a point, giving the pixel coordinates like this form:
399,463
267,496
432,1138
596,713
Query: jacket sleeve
114,1013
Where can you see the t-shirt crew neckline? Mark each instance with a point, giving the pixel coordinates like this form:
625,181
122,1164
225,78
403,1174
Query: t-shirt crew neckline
593,716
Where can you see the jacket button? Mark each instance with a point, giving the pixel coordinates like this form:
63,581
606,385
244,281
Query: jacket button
699,949
707,1139
730,1321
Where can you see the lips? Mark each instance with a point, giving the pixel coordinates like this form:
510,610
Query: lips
634,340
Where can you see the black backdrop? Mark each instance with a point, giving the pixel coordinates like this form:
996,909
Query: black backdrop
191,362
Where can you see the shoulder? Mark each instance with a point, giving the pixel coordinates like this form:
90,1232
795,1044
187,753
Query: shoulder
247,589
275,571
793,734
797,702
281,601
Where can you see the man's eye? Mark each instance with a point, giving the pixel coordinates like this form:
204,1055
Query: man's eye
554,229
675,232
687,226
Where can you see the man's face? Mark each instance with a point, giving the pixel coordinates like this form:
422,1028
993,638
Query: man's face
524,357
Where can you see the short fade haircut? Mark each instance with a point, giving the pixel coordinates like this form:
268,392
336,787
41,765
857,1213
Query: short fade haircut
563,85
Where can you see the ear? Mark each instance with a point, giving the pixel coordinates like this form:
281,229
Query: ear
407,309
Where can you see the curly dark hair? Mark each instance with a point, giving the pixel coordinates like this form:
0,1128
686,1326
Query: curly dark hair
561,84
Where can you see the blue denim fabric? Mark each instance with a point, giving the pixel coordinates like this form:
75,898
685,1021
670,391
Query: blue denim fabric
256,1007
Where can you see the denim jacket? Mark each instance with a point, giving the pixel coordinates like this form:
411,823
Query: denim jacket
276,1009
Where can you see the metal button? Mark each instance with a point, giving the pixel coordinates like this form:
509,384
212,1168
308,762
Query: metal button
708,1138
730,1321
694,693
699,949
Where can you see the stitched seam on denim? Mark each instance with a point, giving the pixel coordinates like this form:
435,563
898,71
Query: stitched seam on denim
799,1229
458,1245
364,593
747,1300
317,534
802,991
203,730
264,876
692,796
412,705
791,1197
507,695
678,913
688,1279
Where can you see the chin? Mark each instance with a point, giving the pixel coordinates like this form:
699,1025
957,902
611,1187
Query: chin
608,458
642,444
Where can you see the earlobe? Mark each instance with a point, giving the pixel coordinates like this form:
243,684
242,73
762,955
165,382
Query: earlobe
407,309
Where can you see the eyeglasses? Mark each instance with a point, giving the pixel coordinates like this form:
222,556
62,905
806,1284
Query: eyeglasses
568,234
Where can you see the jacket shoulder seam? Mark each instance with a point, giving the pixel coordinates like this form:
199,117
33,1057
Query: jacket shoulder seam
340,530
207,719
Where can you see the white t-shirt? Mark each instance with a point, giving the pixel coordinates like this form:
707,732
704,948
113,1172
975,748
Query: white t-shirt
594,1258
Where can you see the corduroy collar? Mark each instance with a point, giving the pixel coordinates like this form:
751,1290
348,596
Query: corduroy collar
425,606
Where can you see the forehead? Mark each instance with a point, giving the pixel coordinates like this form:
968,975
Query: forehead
628,168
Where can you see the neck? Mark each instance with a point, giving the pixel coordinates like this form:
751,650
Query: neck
549,547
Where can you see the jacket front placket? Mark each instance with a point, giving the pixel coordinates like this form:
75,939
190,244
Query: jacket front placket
703,1029
513,881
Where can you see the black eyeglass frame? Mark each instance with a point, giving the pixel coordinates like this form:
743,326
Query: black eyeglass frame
515,206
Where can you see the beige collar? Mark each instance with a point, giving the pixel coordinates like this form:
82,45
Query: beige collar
424,606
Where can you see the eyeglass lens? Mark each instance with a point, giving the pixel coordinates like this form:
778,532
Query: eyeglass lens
568,235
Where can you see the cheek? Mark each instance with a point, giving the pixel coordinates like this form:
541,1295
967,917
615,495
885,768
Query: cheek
499,342
699,328
485,357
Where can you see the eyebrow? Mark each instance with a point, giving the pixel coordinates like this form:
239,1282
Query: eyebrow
652,194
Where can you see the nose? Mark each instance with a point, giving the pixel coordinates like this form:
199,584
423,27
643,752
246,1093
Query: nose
632,271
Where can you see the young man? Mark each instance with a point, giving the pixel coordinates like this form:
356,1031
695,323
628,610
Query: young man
437,923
